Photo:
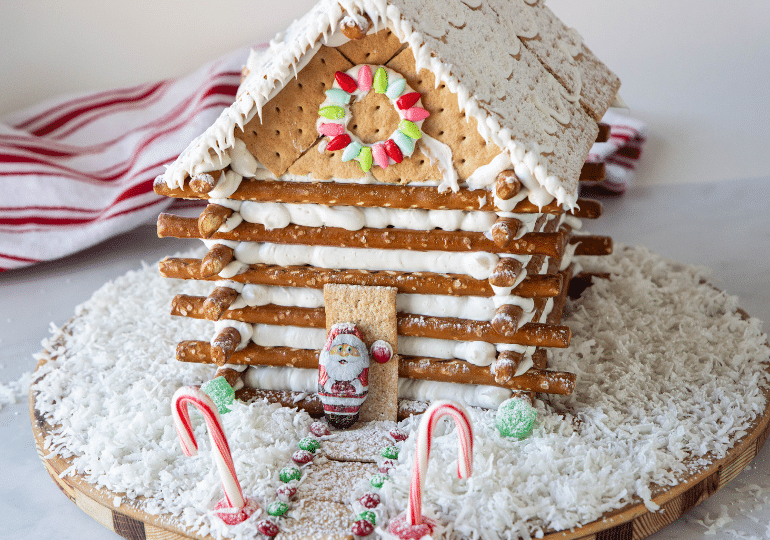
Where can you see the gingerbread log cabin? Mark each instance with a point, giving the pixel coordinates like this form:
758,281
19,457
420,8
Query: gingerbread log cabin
430,148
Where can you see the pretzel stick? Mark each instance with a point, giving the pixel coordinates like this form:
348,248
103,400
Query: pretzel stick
410,367
582,281
504,231
229,374
592,244
507,185
212,217
592,172
202,184
550,244
554,317
604,132
382,195
224,345
218,302
506,319
351,30
505,366
506,272
216,259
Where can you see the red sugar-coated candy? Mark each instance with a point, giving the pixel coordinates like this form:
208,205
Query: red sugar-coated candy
386,466
267,527
234,516
300,457
319,429
346,82
286,492
381,351
362,528
407,100
398,435
393,151
369,500
339,142
399,526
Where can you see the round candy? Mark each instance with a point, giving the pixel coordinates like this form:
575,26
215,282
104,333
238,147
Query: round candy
400,527
286,492
287,474
389,452
310,444
234,516
301,457
369,516
398,435
369,500
277,508
267,527
386,465
319,429
362,528
378,480
515,418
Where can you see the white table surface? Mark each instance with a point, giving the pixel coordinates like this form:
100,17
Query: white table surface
696,72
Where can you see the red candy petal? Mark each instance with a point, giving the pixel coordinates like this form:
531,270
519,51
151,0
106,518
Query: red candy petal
267,527
407,100
369,500
346,82
393,151
362,528
415,114
339,142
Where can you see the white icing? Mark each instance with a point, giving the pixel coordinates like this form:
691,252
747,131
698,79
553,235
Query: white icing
242,161
244,329
226,185
441,154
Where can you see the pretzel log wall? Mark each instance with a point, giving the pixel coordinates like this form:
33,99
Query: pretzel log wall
364,169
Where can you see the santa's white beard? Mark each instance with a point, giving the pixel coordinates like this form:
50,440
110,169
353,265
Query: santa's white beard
343,372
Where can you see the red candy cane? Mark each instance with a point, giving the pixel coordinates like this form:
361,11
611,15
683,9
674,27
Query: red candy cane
188,395
424,435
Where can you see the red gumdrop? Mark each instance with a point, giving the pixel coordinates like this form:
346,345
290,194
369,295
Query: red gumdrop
319,429
234,516
393,151
386,466
398,435
369,500
346,82
407,100
286,492
301,457
362,528
267,527
400,527
338,143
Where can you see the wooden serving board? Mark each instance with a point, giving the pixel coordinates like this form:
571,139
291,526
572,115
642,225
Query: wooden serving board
629,523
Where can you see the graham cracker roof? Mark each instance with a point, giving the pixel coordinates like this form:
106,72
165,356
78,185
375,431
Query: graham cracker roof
535,90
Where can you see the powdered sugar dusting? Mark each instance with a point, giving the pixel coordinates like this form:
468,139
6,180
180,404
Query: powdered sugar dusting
669,377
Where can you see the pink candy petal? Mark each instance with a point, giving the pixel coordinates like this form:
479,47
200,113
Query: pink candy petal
331,129
380,156
415,114
365,78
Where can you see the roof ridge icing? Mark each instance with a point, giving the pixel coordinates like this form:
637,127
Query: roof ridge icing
271,69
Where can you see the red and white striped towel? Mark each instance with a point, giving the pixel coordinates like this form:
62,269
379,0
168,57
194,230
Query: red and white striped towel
620,153
77,170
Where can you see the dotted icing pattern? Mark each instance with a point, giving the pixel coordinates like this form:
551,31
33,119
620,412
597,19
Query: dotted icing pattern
355,84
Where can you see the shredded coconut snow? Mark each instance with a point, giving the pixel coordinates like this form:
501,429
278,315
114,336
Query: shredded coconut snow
14,391
669,377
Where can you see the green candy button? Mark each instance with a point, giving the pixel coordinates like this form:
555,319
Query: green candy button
380,81
332,112
409,129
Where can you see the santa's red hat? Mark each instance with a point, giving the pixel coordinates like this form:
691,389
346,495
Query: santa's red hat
342,328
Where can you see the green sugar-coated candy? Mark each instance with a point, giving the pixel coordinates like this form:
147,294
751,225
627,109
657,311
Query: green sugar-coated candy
515,418
378,480
369,516
277,508
220,392
288,474
389,452
310,444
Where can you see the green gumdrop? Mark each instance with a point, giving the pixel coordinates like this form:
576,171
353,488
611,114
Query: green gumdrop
378,480
369,516
515,418
365,158
220,392
332,112
287,474
277,508
310,444
409,129
380,81
389,452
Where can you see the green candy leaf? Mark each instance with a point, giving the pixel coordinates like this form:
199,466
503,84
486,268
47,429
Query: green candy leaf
380,81
365,158
409,129
332,112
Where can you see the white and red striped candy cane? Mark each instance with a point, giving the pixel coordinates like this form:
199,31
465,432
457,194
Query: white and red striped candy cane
430,418
189,395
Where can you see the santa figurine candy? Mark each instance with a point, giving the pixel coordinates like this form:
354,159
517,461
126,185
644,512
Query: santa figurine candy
343,375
